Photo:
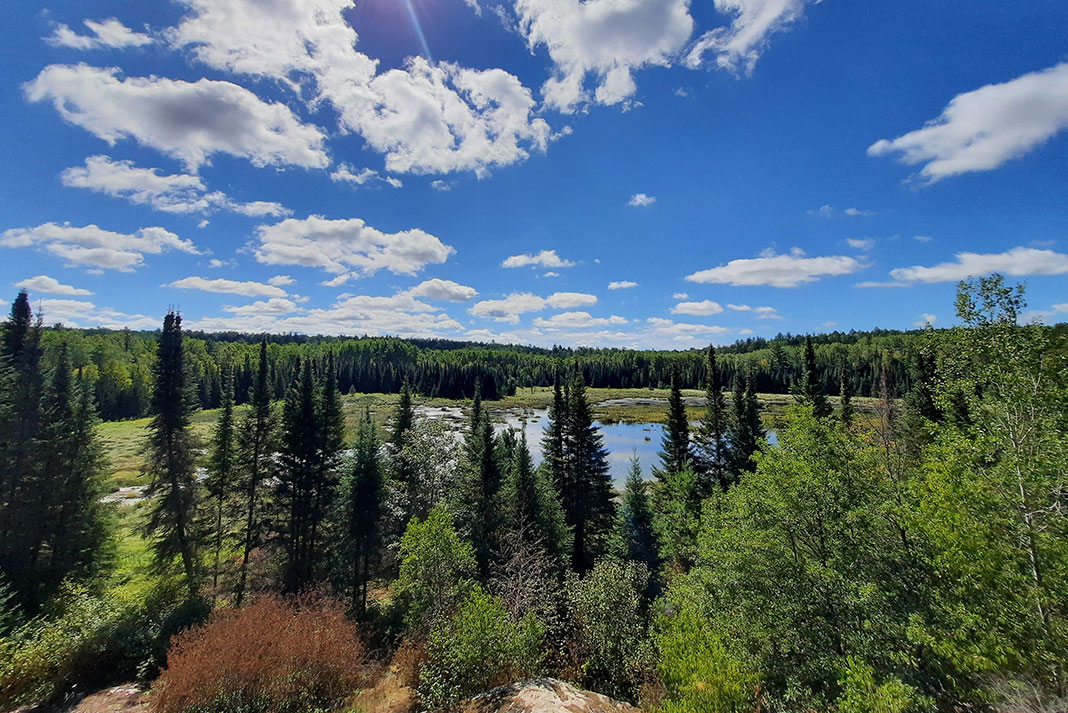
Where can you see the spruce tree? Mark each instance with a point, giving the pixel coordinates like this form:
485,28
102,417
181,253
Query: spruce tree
222,468
675,452
532,507
479,503
746,430
846,409
712,454
256,445
637,515
402,423
361,499
554,458
808,391
587,492
170,455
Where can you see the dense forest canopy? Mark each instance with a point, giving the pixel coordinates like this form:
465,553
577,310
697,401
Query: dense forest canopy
118,364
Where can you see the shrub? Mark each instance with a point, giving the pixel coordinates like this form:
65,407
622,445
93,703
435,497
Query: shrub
480,647
277,655
86,641
608,610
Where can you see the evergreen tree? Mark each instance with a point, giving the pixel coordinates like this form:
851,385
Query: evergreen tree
554,458
587,493
532,507
847,410
256,444
637,515
222,468
402,423
675,446
478,499
361,504
808,390
171,451
746,430
712,452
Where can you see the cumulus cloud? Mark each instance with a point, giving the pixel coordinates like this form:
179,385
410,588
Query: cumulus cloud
509,308
109,33
546,258
274,306
1017,262
861,243
93,247
605,39
347,174
622,285
245,288
190,121
81,313
173,193
828,211
982,129
340,246
50,285
641,200
774,270
925,319
443,290
738,46
576,320
704,308
281,280
759,312
570,300
425,118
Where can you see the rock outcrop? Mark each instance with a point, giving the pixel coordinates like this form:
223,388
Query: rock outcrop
543,695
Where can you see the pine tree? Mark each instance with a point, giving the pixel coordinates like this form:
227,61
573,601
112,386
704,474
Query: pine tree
256,446
712,452
221,472
554,458
808,391
675,446
331,424
637,515
587,494
746,430
170,454
361,504
479,502
532,507
402,423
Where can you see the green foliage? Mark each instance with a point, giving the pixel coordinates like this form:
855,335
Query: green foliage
532,507
862,694
677,516
88,640
711,452
610,617
637,519
808,391
479,647
675,452
437,569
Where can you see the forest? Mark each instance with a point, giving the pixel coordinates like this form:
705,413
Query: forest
909,559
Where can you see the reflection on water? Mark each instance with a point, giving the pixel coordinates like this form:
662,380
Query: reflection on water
621,440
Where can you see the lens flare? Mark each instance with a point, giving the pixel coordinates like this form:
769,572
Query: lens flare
419,30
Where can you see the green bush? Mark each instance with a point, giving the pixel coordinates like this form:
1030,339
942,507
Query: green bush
609,615
861,693
88,640
480,647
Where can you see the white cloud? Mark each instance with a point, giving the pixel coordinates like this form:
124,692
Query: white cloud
739,46
93,247
774,270
570,300
281,280
684,332
608,39
925,319
704,308
924,238
509,308
1043,315
827,211
337,281
424,118
622,285
576,320
1017,262
853,212
876,283
190,121
680,296
246,288
641,200
982,129
339,246
440,185
550,273
546,258
346,173
275,305
215,263
444,290
760,312
103,33
44,283
829,324
175,193
80,313
861,243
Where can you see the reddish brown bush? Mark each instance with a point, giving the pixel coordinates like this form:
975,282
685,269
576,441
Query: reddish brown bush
274,655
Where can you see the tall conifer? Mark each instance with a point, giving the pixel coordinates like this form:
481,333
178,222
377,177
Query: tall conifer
809,391
361,502
675,452
256,444
712,453
221,472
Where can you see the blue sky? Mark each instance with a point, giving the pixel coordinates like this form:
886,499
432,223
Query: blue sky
641,173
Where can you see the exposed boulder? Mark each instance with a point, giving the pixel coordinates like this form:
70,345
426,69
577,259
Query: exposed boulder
543,695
